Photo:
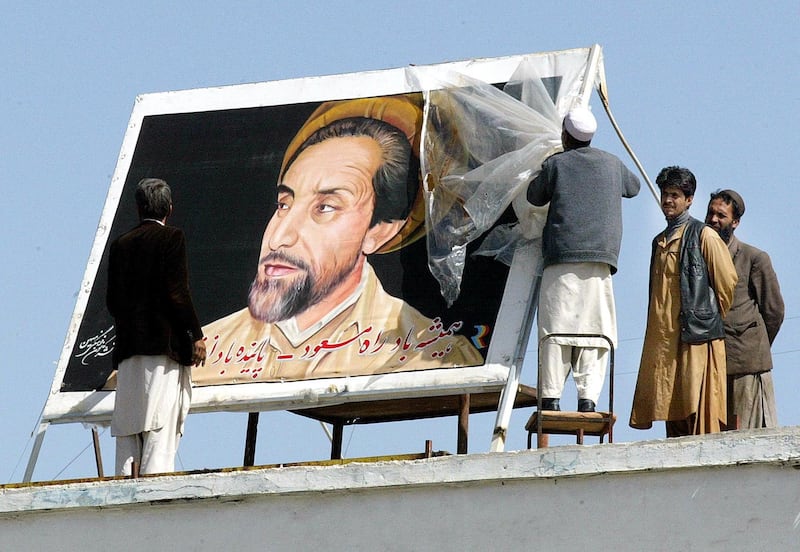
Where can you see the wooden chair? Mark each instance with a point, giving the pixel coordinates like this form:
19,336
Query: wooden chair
580,424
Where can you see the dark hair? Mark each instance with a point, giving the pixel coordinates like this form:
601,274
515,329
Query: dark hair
396,182
677,177
570,142
727,197
153,198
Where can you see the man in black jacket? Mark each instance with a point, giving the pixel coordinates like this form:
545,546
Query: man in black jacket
158,335
682,372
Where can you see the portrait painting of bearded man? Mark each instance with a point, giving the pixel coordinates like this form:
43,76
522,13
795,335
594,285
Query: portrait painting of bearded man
348,188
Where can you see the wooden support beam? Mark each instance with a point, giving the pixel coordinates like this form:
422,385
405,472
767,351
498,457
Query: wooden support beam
250,440
336,442
98,457
462,445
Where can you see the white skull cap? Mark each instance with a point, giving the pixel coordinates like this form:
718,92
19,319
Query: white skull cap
580,124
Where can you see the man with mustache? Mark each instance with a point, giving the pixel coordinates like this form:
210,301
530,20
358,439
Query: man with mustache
316,308
682,371
752,322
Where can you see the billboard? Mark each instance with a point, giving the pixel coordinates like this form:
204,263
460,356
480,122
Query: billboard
356,313
321,276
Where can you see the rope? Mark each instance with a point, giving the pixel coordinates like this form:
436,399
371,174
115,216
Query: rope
604,99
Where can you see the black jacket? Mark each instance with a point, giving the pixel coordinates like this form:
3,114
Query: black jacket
700,318
148,294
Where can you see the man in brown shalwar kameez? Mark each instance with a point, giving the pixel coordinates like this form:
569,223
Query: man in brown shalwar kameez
753,321
692,277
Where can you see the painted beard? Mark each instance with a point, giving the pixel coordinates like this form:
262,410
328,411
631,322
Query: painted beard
272,300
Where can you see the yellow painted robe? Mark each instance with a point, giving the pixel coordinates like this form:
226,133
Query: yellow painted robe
378,334
678,379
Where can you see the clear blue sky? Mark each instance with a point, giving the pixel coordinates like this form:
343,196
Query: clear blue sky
709,85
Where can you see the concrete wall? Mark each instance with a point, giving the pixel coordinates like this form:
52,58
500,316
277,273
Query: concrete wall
734,491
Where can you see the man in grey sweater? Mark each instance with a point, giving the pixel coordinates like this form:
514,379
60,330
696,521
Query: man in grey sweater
584,187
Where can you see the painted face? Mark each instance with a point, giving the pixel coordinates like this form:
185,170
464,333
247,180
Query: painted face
720,218
315,244
673,202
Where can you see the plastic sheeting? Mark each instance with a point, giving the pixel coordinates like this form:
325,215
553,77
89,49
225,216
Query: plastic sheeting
481,146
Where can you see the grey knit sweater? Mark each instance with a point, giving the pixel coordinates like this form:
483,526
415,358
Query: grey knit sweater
584,187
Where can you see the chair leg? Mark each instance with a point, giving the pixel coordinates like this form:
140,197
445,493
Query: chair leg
542,440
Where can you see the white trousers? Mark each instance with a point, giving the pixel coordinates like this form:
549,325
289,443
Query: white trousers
588,366
575,298
152,399
154,451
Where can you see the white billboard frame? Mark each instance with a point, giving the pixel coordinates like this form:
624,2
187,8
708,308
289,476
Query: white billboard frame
503,363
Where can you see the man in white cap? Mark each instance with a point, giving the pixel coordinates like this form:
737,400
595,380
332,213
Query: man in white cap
584,187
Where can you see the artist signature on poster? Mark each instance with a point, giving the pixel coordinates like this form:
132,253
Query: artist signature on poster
97,346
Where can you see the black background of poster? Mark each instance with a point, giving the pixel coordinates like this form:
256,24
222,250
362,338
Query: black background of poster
222,167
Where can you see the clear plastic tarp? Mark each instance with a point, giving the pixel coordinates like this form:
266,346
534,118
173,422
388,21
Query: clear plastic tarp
481,146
